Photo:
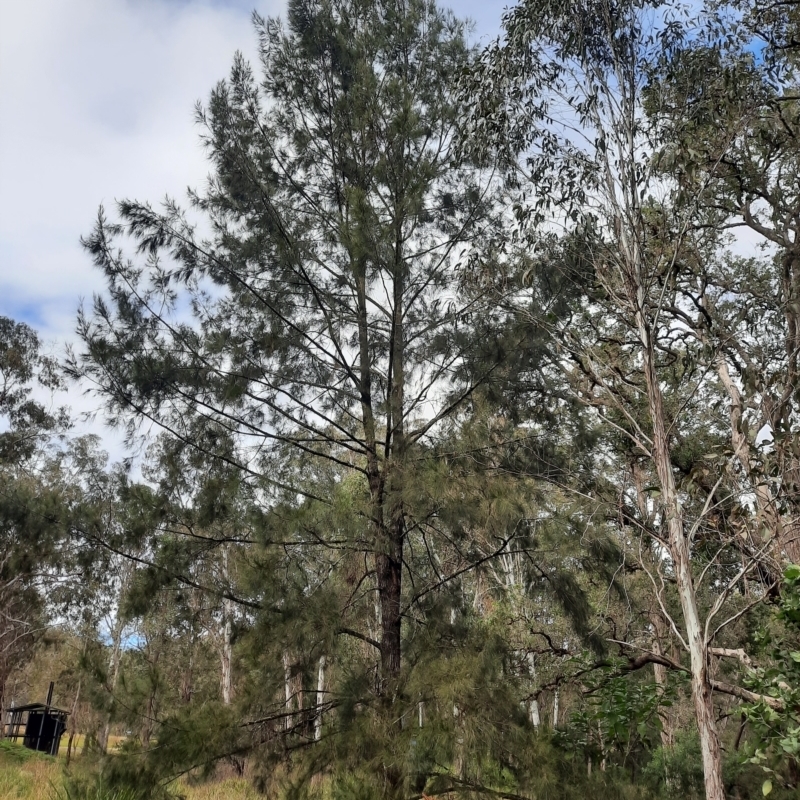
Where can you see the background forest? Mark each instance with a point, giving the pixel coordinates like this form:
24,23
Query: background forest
462,410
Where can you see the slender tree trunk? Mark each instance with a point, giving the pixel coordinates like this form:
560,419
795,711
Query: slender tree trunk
187,679
116,655
533,706
227,655
153,652
660,675
147,724
389,556
660,627
389,560
555,710
320,698
287,689
226,650
536,718
73,722
375,475
389,565
681,559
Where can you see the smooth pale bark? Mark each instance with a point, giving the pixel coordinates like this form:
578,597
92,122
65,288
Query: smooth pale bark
226,654
320,698
602,748
114,663
614,112
536,718
629,282
287,689
126,572
555,709
226,648
681,559
660,625
533,706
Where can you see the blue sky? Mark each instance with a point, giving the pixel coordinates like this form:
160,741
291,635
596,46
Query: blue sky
96,104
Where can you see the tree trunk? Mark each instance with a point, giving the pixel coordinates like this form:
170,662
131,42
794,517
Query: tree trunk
226,651
287,689
227,655
154,649
681,559
147,723
187,679
389,560
533,708
660,675
555,710
536,718
116,654
389,566
320,699
386,552
73,723
660,625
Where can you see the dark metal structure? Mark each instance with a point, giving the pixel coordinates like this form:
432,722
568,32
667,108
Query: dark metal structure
40,725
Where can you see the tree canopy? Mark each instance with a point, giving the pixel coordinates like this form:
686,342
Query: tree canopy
467,429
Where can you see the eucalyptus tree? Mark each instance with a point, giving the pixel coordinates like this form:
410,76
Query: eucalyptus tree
203,541
729,105
565,99
736,153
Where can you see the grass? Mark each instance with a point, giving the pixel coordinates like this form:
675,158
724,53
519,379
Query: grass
239,788
27,775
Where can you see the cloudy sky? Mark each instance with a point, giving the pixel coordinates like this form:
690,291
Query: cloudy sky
96,104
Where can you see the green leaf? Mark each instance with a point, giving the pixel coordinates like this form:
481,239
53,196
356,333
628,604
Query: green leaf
792,572
766,788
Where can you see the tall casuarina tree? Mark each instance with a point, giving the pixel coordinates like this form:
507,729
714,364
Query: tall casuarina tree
316,313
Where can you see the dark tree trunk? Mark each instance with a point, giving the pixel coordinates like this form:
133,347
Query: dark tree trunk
389,566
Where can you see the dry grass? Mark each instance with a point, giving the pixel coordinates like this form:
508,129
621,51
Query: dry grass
229,789
25,775
79,740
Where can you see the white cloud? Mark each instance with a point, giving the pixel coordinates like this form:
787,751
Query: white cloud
97,104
